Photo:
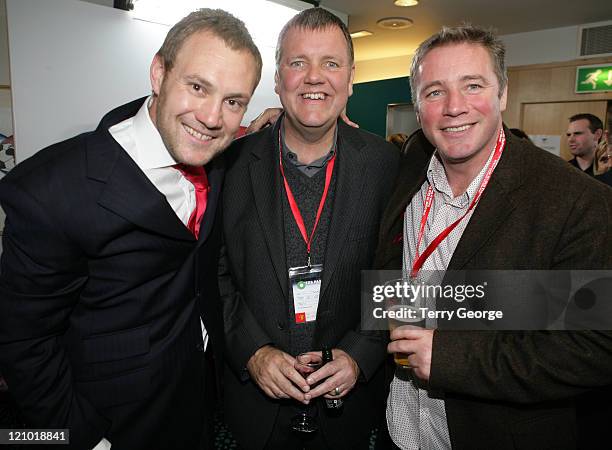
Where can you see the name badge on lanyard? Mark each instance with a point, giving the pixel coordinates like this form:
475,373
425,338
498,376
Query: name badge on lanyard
306,280
306,287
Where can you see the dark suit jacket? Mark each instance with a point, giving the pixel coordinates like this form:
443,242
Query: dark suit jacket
99,320
515,390
256,294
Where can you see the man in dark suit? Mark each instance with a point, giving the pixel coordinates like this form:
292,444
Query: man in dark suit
484,390
108,291
317,210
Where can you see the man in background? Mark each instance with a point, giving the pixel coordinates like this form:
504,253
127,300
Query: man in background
583,135
108,289
471,196
303,200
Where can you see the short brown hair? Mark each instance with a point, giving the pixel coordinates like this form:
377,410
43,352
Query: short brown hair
314,19
595,122
222,24
468,34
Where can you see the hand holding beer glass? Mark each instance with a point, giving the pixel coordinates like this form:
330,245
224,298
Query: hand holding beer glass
402,308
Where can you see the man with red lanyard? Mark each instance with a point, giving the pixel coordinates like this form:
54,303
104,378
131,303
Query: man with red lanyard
303,203
487,200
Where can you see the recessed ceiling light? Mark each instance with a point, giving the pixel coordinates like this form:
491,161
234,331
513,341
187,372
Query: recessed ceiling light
406,2
362,33
394,23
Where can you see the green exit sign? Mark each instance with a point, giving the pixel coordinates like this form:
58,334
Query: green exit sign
596,78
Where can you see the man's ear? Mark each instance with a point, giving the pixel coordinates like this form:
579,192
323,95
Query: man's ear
350,88
503,100
157,73
276,82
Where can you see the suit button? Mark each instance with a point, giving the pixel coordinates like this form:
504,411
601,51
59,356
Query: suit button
280,326
200,347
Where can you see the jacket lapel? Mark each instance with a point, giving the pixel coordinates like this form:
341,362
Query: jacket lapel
496,204
127,192
267,192
412,174
350,176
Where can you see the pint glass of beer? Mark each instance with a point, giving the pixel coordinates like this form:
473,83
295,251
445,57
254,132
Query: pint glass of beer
402,309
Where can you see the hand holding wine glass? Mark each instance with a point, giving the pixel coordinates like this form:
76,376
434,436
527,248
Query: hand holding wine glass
274,372
335,379
306,364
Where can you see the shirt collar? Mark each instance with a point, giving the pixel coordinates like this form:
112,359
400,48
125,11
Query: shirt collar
150,148
436,176
288,155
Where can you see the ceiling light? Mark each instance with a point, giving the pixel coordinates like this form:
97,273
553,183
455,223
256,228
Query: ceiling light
406,2
362,33
394,23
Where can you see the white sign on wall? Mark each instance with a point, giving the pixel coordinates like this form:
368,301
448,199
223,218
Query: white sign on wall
549,142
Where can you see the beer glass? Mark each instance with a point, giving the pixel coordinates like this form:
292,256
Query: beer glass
402,308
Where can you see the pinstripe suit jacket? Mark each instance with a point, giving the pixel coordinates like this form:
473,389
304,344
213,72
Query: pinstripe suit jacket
101,292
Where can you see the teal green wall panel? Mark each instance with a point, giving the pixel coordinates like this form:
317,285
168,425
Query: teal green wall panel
368,104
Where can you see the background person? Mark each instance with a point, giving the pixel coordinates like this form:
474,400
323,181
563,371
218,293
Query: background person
603,161
584,132
398,139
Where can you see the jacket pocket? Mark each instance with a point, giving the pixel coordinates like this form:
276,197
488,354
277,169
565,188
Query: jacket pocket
125,388
116,345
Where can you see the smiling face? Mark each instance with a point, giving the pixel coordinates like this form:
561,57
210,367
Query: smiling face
199,103
458,103
314,78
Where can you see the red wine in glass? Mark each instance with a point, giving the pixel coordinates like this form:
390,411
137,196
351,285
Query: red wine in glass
304,422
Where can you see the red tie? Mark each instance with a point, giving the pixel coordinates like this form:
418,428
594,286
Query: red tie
196,176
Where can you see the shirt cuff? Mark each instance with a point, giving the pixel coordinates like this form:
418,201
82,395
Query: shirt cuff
103,445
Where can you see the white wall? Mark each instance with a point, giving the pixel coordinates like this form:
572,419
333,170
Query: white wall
6,122
4,59
539,47
71,62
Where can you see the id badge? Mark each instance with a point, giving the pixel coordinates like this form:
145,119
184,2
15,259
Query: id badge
306,286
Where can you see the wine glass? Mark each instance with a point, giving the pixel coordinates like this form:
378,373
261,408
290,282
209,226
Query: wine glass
304,422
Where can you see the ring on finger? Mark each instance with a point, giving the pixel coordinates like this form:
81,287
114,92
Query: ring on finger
335,392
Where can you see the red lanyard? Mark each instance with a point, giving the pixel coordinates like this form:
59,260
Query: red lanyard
420,258
293,204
